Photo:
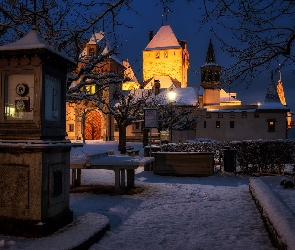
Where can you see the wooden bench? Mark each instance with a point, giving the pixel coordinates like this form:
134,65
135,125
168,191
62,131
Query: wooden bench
184,163
119,164
133,152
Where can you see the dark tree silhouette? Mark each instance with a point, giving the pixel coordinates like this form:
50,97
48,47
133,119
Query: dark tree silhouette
260,35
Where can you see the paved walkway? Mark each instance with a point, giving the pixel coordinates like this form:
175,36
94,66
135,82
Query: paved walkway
215,212
180,213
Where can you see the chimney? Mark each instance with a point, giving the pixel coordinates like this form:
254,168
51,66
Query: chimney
157,86
151,35
183,44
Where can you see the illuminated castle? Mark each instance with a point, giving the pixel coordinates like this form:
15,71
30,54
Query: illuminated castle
165,59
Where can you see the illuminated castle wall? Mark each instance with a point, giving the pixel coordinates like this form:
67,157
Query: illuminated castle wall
166,56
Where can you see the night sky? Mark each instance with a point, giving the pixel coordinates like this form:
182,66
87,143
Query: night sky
182,20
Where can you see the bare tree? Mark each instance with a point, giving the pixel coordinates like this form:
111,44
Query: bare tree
176,117
126,107
62,24
260,34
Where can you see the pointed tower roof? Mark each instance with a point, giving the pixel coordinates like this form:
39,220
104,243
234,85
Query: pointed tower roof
101,39
272,94
210,58
164,38
272,100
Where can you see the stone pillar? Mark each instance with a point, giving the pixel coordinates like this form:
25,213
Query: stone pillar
34,184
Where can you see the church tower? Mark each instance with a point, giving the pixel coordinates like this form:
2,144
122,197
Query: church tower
210,78
165,57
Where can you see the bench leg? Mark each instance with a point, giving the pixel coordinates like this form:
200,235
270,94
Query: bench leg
120,181
73,177
76,177
130,178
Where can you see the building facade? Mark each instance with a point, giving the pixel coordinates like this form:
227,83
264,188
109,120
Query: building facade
83,119
226,119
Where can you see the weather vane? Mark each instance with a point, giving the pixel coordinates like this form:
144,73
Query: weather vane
166,15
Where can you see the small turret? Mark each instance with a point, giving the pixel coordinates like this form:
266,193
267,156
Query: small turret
210,78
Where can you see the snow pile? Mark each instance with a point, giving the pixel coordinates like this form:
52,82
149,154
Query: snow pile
280,218
86,228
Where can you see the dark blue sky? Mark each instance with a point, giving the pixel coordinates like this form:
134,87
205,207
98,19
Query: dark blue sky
183,23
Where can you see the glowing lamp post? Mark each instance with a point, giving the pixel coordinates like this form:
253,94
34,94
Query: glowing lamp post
171,97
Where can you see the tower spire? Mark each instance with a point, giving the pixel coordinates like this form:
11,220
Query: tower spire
272,94
34,24
166,16
210,58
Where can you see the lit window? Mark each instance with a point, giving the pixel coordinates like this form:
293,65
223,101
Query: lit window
166,54
271,125
157,54
231,124
217,124
91,89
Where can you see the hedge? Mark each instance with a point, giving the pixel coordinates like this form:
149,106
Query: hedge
251,155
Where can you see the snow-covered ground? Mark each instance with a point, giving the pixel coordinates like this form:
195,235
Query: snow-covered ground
215,212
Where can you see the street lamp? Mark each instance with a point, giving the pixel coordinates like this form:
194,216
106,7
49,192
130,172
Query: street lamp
171,97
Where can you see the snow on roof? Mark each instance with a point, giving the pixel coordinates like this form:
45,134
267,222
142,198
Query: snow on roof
184,96
209,64
164,38
32,41
232,110
272,105
165,82
101,39
129,72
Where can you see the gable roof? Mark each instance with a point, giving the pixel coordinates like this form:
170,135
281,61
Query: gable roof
101,39
164,39
32,41
165,82
129,72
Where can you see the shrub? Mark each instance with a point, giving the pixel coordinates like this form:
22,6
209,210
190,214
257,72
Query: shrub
251,156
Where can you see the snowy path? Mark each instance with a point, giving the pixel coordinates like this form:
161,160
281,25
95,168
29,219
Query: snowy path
215,212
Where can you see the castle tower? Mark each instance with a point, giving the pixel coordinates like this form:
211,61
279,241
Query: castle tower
210,78
166,56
